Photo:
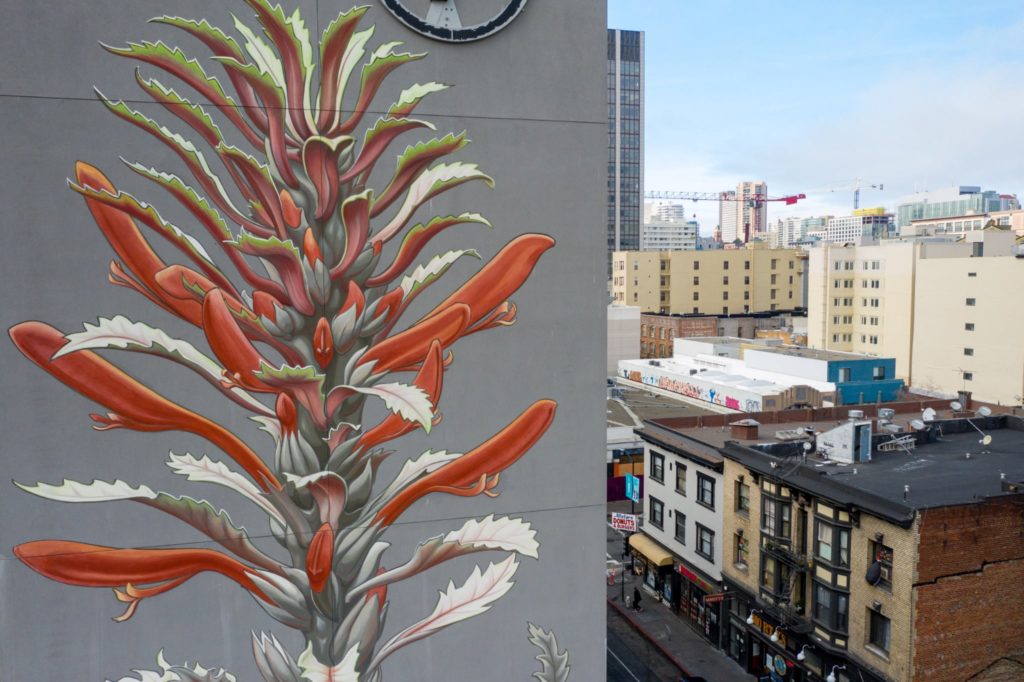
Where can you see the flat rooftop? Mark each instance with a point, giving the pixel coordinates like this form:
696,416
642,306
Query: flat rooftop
938,471
817,353
647,406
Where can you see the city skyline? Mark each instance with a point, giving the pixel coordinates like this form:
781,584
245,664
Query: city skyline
807,96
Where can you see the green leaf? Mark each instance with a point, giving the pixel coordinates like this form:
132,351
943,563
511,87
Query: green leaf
412,96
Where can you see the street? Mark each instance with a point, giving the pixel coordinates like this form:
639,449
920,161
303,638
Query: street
631,658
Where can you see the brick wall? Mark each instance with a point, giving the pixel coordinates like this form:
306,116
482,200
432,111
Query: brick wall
655,332
970,585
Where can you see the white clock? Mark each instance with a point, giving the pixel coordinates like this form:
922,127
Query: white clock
442,21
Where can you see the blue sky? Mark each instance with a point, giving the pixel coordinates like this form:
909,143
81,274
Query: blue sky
811,95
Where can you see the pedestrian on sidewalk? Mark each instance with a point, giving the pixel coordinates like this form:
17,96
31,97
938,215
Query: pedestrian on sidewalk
636,600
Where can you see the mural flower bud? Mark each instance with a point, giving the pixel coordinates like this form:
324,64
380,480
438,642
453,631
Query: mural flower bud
323,343
319,557
291,212
311,248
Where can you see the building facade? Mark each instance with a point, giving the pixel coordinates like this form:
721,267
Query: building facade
728,217
624,335
962,200
683,514
1012,219
864,299
863,578
718,282
625,139
666,235
864,224
658,331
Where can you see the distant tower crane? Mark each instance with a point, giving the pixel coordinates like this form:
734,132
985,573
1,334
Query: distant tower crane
755,201
856,185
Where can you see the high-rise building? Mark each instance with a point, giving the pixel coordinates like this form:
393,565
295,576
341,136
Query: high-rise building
952,202
727,217
865,223
740,214
625,139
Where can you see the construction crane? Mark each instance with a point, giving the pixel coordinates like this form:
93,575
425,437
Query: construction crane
755,201
856,185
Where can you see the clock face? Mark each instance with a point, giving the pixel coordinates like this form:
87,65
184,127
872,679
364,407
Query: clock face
442,20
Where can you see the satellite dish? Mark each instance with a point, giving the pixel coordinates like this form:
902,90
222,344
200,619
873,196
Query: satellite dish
956,406
928,415
987,440
918,425
807,446
984,411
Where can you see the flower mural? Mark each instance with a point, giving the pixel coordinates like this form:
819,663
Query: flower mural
308,326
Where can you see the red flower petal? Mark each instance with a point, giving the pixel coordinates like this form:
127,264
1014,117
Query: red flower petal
410,346
140,407
319,557
229,343
323,343
490,458
429,378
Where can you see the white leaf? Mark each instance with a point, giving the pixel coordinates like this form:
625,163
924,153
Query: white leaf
208,471
120,332
456,604
424,274
261,54
429,183
512,535
415,93
97,491
411,403
315,671
424,464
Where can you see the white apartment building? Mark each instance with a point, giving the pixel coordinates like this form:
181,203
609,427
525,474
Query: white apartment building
728,209
865,299
623,335
683,505
662,235
864,224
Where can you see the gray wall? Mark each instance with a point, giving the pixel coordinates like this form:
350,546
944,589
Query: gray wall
532,99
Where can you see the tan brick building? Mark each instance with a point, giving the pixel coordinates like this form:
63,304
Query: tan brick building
719,282
867,578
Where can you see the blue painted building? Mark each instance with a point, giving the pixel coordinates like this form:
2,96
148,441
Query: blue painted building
857,378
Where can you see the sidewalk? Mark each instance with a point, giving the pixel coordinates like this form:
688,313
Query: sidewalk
667,631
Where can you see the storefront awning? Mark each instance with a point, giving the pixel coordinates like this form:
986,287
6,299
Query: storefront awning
654,552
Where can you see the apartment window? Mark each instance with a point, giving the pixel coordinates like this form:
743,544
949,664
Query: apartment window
742,498
696,265
696,295
774,278
835,338
831,608
968,351
725,266
968,376
740,551
873,340
844,375
878,631
636,265
680,478
790,265
725,295
657,466
882,556
773,293
774,576
725,280
657,515
832,544
970,301
972,274
776,518
878,373
969,326
775,263
705,542
696,281
696,310
746,279
680,527
706,490
746,265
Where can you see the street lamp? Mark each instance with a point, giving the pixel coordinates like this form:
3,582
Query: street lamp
802,656
832,675
775,633
750,617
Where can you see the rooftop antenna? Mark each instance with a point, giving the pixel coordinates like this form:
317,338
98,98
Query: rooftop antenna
983,412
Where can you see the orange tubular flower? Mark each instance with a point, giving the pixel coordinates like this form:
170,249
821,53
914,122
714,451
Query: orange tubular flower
77,563
319,558
500,278
473,472
429,378
134,405
229,343
410,346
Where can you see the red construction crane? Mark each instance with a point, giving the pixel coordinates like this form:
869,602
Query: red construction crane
755,201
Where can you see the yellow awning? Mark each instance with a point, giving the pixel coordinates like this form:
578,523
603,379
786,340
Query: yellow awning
654,552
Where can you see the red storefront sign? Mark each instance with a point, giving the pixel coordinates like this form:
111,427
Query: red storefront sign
714,598
687,573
